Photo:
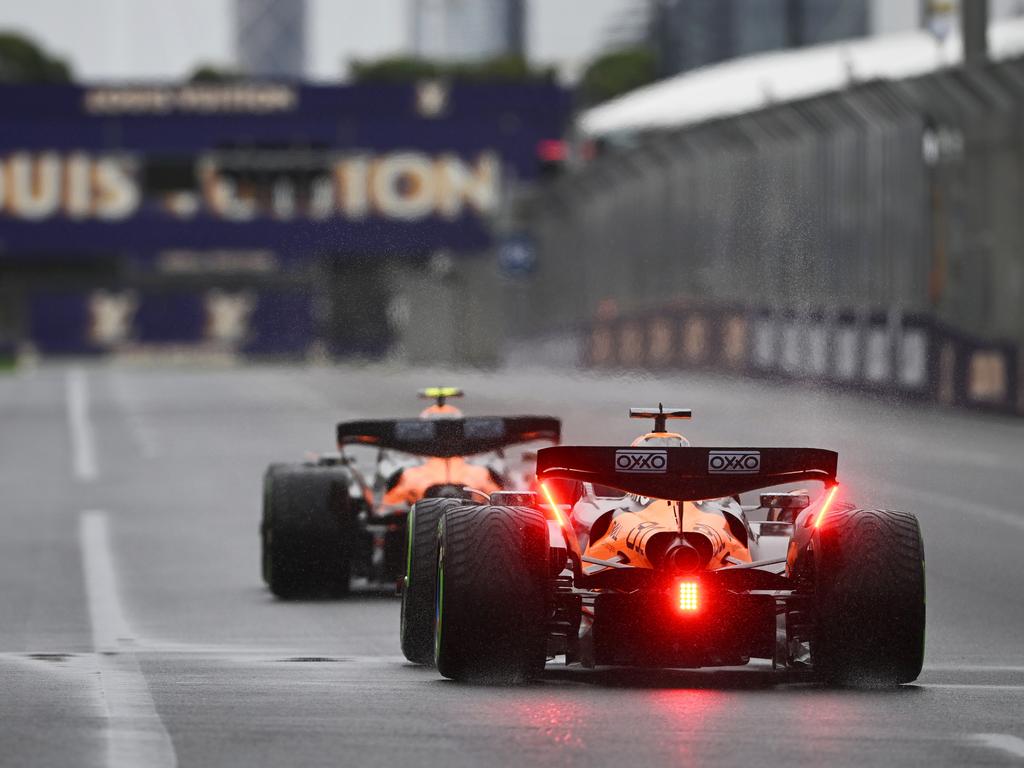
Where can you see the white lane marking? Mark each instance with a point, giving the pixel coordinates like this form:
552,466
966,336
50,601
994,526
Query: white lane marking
110,627
972,668
973,686
970,507
83,444
141,430
1001,741
135,734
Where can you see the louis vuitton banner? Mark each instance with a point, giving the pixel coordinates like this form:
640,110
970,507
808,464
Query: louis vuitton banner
374,168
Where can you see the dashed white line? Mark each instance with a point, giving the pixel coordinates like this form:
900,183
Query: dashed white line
141,430
110,627
960,505
135,734
974,668
83,444
1001,741
1005,687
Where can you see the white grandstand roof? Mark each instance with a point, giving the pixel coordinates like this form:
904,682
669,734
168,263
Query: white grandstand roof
754,82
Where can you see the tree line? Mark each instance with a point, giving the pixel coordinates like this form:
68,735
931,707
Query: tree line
610,74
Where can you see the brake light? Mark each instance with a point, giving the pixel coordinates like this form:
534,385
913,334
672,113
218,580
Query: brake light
826,505
555,509
688,596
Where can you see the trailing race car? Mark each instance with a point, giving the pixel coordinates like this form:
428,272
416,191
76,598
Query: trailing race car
645,556
325,524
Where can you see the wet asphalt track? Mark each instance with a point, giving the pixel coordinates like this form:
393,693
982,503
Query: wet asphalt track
134,629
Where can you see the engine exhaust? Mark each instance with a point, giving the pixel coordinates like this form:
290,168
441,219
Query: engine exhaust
683,558
680,553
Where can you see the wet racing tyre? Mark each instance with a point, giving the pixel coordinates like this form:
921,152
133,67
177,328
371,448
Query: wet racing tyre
272,470
492,594
307,530
869,598
417,618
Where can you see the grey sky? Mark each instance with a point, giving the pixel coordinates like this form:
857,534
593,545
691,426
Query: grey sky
161,39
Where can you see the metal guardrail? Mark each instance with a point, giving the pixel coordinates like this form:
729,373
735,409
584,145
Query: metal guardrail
891,198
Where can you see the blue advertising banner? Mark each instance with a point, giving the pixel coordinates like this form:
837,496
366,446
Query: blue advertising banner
388,169
250,322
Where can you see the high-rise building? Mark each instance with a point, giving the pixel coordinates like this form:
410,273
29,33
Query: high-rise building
467,30
691,33
686,34
270,37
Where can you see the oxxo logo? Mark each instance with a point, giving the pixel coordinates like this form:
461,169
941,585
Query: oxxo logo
734,462
655,462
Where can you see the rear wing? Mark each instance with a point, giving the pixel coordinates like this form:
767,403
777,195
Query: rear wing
445,438
687,474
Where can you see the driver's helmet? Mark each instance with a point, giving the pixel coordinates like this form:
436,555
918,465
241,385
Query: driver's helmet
441,412
660,440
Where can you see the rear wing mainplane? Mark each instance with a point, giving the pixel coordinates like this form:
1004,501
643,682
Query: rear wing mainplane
687,474
444,438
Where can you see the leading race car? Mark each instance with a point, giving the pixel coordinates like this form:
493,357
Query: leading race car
325,524
645,555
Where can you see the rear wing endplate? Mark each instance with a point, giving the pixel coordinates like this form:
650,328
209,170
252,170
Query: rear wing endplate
445,438
687,474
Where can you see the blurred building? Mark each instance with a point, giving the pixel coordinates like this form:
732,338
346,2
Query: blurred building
692,33
687,34
270,37
466,30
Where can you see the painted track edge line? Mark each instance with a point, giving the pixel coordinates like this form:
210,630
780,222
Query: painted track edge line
135,734
1003,742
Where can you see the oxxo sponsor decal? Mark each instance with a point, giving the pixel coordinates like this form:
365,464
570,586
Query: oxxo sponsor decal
734,462
655,462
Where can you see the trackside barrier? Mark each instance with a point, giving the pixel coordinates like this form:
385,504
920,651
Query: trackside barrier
903,356
249,322
564,349
888,195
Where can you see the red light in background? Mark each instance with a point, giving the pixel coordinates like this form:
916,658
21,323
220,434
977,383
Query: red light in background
688,596
552,150
826,505
555,509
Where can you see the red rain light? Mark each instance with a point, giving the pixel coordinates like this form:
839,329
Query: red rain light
826,505
688,596
554,505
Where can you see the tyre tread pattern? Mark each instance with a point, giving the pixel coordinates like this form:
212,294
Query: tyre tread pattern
871,598
418,592
495,599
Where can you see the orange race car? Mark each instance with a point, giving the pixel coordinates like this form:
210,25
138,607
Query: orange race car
326,524
436,475
647,555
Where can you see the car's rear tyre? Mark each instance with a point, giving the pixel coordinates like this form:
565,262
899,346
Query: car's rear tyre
268,480
306,532
492,594
418,589
869,598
